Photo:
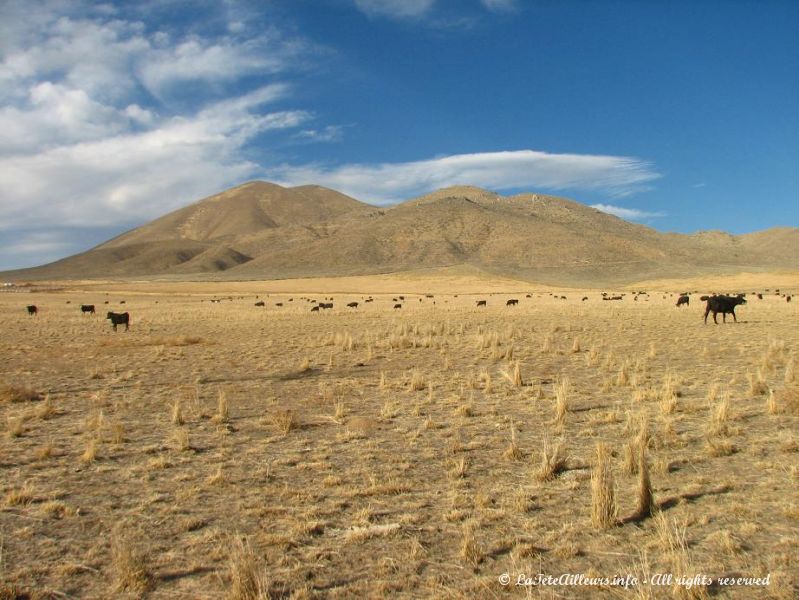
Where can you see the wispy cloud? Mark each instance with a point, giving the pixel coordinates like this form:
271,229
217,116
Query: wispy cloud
387,182
501,5
395,9
91,135
630,214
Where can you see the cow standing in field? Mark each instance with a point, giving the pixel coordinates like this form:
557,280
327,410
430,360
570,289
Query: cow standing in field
481,303
512,302
33,310
260,303
397,306
683,300
87,308
723,305
352,305
119,319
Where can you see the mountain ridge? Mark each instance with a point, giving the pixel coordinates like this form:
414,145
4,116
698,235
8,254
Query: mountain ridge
261,230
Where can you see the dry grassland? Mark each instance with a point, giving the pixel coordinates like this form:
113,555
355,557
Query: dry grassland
229,450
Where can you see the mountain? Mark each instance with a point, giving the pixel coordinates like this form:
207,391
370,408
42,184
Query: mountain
265,231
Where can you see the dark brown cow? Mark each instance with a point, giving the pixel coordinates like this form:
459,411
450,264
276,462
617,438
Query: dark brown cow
683,300
481,303
87,308
119,319
33,310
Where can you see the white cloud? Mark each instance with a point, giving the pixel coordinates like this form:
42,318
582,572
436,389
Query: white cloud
528,169
500,5
630,214
396,9
90,135
330,133
137,175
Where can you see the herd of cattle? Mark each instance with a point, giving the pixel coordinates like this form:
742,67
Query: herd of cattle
717,303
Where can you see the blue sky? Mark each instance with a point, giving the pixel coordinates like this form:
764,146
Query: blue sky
683,115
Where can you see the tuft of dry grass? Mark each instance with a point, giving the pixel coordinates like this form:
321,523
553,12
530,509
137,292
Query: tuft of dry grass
603,496
513,452
553,460
130,563
18,393
470,551
177,413
19,497
285,421
222,408
561,400
418,381
787,400
757,384
248,580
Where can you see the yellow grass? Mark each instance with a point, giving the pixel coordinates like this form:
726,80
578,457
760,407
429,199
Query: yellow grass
419,454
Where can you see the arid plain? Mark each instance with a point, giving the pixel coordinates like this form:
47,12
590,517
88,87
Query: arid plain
425,451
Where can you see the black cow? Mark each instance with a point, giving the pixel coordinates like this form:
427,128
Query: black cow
512,302
352,305
723,305
584,298
683,300
87,308
481,303
787,298
32,310
325,305
260,303
119,319
398,306
315,309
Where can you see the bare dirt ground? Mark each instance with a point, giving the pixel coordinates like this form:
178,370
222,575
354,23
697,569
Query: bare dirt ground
429,451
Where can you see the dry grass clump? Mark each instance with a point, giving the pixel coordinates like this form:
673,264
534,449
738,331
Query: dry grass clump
19,497
248,581
561,400
787,400
177,413
470,551
553,461
757,384
513,375
675,546
418,381
285,421
130,564
645,499
603,495
222,409
513,451
18,393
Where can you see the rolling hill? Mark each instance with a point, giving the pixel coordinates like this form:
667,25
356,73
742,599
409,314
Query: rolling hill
261,230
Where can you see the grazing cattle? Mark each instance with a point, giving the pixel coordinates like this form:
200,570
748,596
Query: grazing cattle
119,319
397,306
260,303
352,305
529,296
563,297
584,298
87,308
122,302
369,300
512,302
402,297
760,296
325,305
32,310
278,304
787,298
683,300
428,295
723,305
481,303
315,309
